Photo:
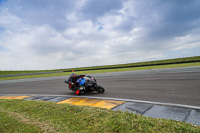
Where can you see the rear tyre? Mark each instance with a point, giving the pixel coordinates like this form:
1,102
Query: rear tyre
100,89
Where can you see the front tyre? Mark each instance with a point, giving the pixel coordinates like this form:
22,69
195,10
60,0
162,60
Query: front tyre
100,89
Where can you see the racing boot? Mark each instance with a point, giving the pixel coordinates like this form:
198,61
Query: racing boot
78,92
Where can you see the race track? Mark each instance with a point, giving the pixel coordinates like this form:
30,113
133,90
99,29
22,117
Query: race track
178,86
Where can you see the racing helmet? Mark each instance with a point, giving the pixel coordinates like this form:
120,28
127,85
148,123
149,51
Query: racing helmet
73,75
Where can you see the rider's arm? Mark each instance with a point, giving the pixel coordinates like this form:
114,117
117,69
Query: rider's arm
70,80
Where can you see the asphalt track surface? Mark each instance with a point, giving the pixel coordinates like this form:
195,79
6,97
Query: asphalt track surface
177,86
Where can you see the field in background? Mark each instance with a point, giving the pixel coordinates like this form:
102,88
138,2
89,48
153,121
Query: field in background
161,64
139,64
24,72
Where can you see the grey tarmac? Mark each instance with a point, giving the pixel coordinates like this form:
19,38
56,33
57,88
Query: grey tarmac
176,85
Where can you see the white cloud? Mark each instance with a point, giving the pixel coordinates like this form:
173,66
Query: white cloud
51,35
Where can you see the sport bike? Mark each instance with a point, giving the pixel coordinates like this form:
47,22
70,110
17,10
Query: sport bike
85,84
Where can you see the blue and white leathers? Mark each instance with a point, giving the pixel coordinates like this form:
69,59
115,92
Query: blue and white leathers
81,81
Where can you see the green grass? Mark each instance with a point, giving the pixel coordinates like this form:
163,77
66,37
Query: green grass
9,124
104,71
24,72
40,116
176,61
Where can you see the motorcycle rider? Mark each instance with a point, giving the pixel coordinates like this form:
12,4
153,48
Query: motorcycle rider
73,84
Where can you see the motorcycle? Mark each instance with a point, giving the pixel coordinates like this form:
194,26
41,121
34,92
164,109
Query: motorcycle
85,84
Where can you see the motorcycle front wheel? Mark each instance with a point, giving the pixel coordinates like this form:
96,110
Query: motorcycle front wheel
99,89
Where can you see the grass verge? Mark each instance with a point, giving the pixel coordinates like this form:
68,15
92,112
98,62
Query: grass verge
24,72
9,124
40,116
104,71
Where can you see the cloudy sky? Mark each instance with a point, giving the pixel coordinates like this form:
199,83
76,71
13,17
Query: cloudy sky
53,34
